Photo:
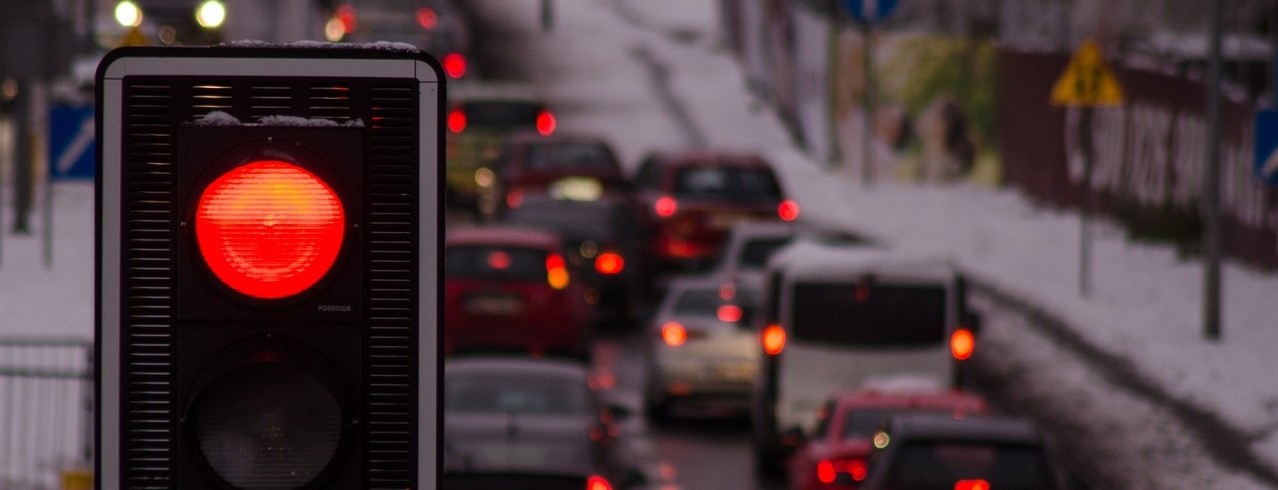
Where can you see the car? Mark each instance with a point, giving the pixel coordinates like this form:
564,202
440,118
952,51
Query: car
693,198
480,118
603,242
511,289
703,352
566,166
527,423
434,26
838,317
836,451
931,451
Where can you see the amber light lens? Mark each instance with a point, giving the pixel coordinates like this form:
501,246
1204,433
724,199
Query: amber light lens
962,344
773,339
269,229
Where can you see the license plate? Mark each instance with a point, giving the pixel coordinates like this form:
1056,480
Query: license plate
576,189
503,305
724,221
733,373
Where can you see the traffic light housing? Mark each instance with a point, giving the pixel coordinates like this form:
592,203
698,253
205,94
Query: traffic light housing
269,229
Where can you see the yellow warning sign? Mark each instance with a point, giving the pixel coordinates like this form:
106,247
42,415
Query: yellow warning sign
1087,80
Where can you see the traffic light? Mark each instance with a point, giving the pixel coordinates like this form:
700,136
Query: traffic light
268,248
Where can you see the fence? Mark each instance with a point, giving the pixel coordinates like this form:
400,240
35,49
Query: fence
46,410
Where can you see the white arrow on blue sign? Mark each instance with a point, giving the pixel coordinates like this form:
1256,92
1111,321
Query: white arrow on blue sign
1267,146
71,154
869,11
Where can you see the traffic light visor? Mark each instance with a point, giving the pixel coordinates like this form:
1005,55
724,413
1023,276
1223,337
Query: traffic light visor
269,229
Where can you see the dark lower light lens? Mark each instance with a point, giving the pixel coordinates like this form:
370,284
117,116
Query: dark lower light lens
267,426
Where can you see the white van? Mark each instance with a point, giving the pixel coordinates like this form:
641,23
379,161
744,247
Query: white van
836,318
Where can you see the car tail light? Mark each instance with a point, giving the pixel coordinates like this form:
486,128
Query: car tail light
665,206
457,120
674,334
427,18
788,210
828,469
596,482
727,291
962,344
498,260
610,263
514,199
971,485
269,229
454,65
773,339
556,271
546,123
729,313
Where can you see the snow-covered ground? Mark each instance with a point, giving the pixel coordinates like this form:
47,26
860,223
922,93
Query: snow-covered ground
621,64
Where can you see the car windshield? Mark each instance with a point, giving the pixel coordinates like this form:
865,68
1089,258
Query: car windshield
928,465
726,181
516,393
495,263
572,155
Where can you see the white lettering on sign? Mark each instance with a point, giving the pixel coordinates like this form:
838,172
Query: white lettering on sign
335,308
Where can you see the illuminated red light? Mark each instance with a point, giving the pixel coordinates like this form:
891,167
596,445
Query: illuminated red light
454,65
665,206
674,334
545,123
498,260
514,199
427,18
962,344
556,271
727,291
773,339
269,229
729,313
456,120
971,485
610,263
346,16
788,210
596,482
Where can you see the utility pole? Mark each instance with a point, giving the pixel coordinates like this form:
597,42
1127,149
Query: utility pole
1213,242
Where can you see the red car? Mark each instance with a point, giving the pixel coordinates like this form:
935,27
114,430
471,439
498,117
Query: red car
835,456
570,167
694,198
509,289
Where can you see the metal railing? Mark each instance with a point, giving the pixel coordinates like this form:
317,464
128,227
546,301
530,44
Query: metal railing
46,410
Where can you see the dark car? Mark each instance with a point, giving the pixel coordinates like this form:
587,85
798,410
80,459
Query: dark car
527,423
603,242
566,166
694,198
480,118
943,452
510,289
839,446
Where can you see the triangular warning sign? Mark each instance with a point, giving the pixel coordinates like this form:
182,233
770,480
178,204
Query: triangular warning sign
1087,80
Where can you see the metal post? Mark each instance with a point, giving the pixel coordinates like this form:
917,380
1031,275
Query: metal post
1213,242
867,150
1085,234
832,86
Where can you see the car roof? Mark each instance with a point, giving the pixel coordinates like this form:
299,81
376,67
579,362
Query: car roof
707,157
911,399
941,427
502,235
807,259
532,136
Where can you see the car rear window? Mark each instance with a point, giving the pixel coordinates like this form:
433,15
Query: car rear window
524,394
925,465
869,315
573,220
495,262
726,181
501,114
706,302
569,155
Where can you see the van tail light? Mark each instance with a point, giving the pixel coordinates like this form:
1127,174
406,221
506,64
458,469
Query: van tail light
456,120
546,123
773,339
455,65
556,271
788,210
596,482
665,206
674,334
729,313
610,263
971,485
962,344
828,469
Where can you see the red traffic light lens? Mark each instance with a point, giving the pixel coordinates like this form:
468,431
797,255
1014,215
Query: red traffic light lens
269,229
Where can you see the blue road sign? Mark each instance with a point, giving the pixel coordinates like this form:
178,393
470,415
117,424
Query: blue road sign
870,11
1267,146
71,142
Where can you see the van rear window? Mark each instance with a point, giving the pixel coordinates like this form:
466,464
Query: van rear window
495,263
869,315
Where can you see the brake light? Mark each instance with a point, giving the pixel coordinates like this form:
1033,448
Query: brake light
514,199
498,260
788,210
674,334
829,469
609,263
962,344
825,471
971,485
773,339
596,482
556,271
729,313
427,18
545,123
727,291
456,120
665,206
454,65
269,229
